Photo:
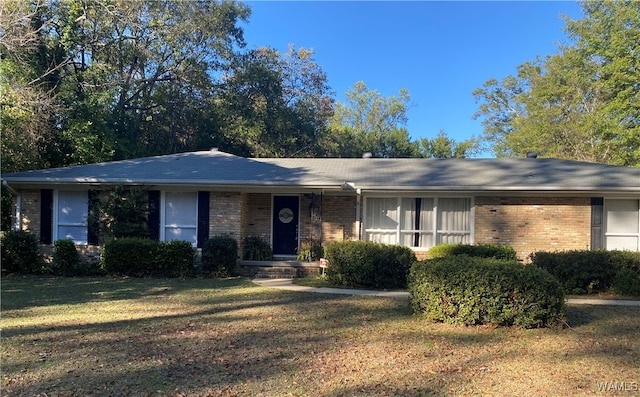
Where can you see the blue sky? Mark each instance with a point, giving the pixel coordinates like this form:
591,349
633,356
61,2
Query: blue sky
439,51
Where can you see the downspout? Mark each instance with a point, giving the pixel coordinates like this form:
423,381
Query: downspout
358,215
18,213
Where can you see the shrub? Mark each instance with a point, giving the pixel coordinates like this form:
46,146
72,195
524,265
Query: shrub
20,253
582,272
256,249
174,259
310,250
496,251
470,291
130,256
368,264
219,255
65,258
626,282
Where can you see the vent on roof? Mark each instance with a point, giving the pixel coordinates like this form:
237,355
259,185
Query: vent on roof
367,155
532,155
214,149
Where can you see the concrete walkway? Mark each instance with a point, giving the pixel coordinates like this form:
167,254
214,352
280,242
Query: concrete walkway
287,284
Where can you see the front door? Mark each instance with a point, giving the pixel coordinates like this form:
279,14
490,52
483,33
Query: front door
285,224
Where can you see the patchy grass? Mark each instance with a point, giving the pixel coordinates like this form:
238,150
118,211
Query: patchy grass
204,337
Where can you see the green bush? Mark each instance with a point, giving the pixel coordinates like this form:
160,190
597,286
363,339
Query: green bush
471,291
65,258
19,253
496,251
310,250
368,264
582,271
256,249
175,258
626,282
219,256
130,256
140,257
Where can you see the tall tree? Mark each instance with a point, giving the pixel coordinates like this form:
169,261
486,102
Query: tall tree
444,147
368,122
582,103
124,78
275,105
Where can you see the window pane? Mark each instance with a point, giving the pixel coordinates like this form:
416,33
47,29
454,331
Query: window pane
73,207
382,213
382,237
454,214
622,216
181,209
181,233
76,233
454,221
622,243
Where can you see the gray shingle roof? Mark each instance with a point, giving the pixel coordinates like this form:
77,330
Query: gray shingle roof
215,168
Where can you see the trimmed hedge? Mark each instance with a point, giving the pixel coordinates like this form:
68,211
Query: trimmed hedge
139,257
471,291
19,253
65,258
368,264
219,255
586,272
495,251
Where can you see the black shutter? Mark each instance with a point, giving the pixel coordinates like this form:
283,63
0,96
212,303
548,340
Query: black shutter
203,218
154,214
93,221
597,215
46,216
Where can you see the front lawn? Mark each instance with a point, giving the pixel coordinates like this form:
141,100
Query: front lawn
102,336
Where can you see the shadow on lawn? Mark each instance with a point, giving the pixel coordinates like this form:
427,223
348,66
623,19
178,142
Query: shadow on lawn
226,335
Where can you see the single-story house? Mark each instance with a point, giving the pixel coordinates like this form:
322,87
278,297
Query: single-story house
530,204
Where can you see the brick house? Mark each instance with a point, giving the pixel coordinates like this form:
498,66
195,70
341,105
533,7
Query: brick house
530,204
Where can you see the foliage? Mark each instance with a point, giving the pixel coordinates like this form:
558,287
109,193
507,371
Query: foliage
473,291
443,147
275,105
256,249
140,257
219,255
368,264
175,258
367,122
580,103
121,212
582,272
310,250
65,258
495,251
20,252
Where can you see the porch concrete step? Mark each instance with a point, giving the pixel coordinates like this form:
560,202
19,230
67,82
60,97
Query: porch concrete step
276,272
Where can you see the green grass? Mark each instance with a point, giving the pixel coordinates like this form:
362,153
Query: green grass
102,336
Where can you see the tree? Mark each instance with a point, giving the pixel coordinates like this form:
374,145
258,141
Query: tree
100,80
444,147
274,105
367,122
582,103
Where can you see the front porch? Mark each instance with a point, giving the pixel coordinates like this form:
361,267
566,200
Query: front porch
277,269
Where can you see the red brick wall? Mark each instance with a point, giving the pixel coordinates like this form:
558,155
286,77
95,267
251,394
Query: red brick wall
531,224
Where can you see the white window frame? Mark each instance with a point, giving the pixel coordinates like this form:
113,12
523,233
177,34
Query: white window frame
433,232
607,234
56,217
163,215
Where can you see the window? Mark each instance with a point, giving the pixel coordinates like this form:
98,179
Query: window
180,216
622,224
70,216
418,222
